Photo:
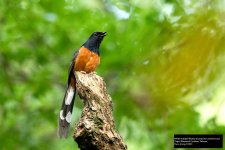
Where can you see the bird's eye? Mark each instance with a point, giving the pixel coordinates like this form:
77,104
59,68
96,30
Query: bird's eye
95,33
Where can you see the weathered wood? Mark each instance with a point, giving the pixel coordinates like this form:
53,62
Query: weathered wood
96,129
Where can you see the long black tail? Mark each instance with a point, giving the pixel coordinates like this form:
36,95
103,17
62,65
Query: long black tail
66,112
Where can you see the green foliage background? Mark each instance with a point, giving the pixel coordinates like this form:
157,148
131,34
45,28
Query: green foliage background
163,62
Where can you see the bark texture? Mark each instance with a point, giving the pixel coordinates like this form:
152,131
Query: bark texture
96,129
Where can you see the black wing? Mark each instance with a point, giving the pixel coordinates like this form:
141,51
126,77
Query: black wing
70,71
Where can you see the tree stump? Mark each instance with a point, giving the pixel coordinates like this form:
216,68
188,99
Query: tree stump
96,129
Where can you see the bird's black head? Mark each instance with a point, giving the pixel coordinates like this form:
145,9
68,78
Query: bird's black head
94,41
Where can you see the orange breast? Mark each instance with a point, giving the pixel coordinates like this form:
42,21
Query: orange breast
86,60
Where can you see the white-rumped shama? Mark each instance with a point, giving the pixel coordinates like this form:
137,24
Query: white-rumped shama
85,59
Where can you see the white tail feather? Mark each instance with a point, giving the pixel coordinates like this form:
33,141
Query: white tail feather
66,112
69,96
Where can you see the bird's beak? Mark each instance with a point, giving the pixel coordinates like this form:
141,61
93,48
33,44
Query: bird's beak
104,34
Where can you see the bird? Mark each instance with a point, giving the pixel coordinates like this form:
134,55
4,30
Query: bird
85,59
